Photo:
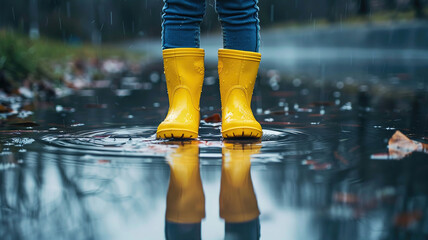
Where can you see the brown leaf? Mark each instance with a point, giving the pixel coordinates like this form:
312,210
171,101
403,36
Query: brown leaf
215,118
399,145
4,109
406,219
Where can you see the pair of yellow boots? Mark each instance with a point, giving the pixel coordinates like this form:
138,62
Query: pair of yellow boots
184,72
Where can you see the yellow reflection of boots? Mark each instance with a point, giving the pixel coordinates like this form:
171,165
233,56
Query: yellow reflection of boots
237,72
184,72
238,201
185,198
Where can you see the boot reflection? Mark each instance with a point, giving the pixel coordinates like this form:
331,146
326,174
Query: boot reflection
185,207
238,202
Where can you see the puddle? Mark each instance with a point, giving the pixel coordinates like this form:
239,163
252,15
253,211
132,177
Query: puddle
89,166
141,143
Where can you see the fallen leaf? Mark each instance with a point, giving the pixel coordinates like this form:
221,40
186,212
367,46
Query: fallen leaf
399,145
4,109
215,118
406,219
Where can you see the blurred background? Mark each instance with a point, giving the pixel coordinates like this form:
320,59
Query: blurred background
81,30
102,21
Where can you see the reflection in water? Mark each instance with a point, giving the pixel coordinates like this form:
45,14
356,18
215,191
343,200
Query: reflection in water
185,207
238,202
185,198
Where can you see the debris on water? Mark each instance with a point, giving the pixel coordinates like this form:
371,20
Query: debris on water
24,124
308,162
400,146
269,119
346,107
77,125
320,166
59,108
25,92
4,109
130,116
407,219
296,106
24,114
53,129
156,104
215,118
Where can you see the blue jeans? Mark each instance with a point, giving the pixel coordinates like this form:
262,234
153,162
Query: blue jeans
181,20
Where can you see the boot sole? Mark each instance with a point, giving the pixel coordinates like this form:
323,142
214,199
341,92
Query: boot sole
176,134
242,132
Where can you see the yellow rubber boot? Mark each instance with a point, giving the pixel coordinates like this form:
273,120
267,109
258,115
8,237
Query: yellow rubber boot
238,202
237,72
184,72
185,199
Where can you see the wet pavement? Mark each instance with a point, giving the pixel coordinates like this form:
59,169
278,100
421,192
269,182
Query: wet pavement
88,166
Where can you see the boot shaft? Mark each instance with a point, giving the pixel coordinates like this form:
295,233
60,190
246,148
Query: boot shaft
184,69
237,70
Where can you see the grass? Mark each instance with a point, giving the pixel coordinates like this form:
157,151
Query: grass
22,58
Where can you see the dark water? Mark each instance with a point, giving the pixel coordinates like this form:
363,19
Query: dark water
93,169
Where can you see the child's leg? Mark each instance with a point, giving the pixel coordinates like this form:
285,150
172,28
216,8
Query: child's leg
238,64
181,23
184,67
240,23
